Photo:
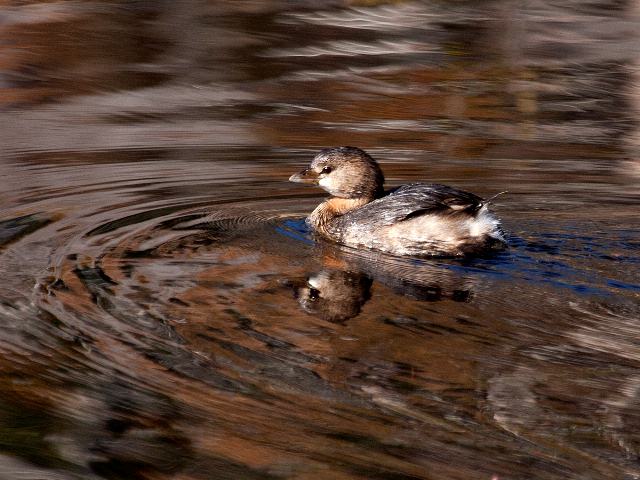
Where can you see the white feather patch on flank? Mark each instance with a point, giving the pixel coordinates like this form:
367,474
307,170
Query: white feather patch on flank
438,233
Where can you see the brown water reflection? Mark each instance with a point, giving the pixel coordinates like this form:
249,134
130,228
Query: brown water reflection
184,324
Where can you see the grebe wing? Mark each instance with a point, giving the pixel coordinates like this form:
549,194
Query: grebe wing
413,200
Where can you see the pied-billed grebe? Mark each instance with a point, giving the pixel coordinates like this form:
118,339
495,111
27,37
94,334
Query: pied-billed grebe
416,219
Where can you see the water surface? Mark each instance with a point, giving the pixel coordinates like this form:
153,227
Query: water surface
166,313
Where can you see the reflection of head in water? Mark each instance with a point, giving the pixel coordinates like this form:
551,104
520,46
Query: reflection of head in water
334,295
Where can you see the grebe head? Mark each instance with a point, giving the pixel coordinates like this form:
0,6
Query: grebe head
344,172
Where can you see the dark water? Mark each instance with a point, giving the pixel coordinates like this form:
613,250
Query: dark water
157,316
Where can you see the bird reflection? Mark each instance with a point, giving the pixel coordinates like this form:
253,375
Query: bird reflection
335,295
338,291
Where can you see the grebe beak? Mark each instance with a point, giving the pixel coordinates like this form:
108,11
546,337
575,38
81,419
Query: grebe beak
305,176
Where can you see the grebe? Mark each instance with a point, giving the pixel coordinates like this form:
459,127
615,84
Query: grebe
417,219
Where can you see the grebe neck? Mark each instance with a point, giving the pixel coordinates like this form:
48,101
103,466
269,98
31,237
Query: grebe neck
332,208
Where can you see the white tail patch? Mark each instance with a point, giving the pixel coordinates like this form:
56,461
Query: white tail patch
485,224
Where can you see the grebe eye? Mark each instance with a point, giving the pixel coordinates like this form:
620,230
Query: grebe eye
326,170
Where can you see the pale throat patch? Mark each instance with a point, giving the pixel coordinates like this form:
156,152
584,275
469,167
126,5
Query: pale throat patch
325,182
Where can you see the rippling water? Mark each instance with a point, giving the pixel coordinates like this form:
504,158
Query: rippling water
166,313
